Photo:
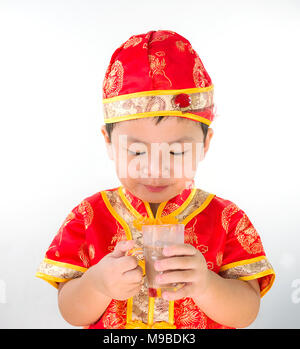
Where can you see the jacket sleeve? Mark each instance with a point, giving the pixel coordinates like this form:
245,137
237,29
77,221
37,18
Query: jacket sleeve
244,257
67,256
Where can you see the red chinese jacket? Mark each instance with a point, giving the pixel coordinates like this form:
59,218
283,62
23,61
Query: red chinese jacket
217,227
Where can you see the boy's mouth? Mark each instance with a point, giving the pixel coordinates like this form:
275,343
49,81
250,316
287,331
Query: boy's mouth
155,188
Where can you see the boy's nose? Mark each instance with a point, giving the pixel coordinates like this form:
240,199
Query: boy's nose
156,169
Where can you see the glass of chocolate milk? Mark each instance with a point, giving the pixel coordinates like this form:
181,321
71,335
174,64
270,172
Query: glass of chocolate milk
156,237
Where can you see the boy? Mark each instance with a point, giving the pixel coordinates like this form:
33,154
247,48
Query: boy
156,91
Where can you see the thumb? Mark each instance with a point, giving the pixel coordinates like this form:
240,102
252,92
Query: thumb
122,247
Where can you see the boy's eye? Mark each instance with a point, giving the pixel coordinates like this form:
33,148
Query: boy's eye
136,153
177,153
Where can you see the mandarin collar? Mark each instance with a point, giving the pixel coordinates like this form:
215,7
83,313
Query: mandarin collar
172,206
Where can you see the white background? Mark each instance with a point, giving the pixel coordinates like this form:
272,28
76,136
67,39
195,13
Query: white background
53,56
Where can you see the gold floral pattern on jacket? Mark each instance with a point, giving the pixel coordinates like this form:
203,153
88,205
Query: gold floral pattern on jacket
86,210
115,315
187,314
227,214
247,236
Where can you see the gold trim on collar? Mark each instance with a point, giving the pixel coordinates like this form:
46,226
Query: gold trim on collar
184,204
149,210
198,210
127,203
116,216
160,208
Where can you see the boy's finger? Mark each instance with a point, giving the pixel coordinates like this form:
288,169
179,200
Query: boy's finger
122,247
181,293
126,263
134,290
134,276
183,262
179,250
175,277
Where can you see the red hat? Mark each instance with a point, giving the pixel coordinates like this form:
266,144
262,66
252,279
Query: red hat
157,73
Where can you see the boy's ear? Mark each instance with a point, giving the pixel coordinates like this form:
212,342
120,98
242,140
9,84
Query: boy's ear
209,135
108,143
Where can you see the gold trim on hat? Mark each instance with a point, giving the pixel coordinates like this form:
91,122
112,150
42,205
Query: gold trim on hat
159,102
158,93
158,113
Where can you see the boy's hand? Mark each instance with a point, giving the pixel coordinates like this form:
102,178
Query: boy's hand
185,264
116,275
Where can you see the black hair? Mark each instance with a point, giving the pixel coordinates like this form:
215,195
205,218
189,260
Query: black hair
109,126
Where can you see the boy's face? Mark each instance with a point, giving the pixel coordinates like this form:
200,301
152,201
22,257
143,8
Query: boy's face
149,154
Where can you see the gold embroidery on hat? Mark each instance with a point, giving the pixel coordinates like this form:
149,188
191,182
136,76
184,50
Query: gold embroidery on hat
170,31
180,45
198,73
113,80
157,66
159,37
132,42
191,49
